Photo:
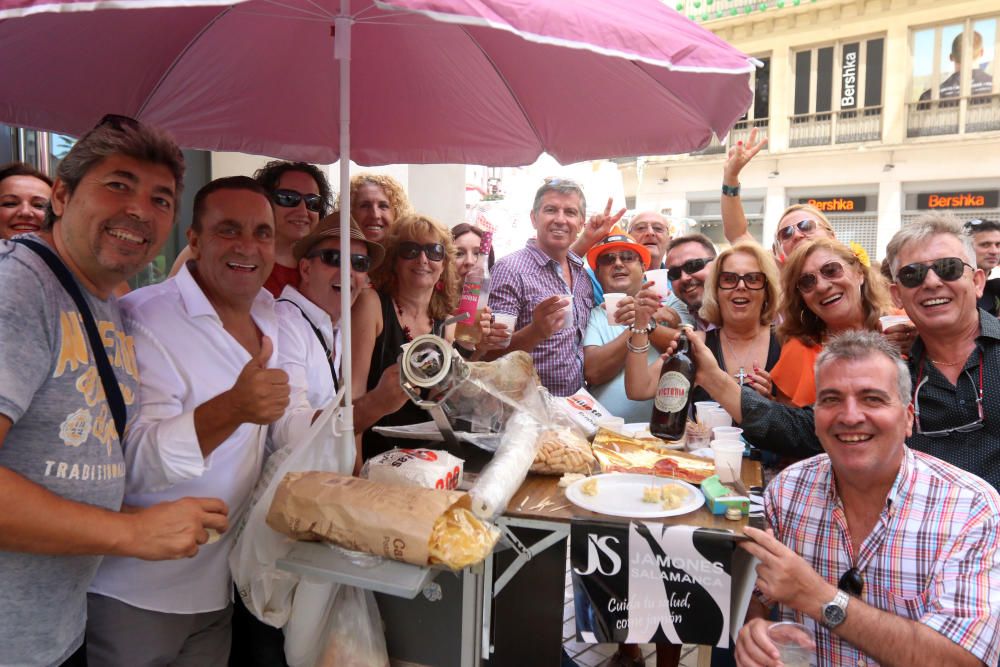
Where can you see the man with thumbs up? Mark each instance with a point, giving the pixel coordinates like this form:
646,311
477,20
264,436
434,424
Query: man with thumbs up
223,377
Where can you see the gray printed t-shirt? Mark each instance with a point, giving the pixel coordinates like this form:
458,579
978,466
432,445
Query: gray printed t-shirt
62,438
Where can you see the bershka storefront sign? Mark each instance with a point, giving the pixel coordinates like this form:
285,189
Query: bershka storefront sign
929,201
847,204
649,582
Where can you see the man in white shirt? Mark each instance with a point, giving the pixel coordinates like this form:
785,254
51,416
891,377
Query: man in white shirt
215,355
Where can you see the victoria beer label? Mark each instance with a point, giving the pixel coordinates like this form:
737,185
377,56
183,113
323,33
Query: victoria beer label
673,394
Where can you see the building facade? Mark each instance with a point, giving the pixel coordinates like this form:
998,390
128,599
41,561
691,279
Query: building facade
875,111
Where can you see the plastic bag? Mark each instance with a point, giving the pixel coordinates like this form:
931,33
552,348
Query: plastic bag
265,590
335,626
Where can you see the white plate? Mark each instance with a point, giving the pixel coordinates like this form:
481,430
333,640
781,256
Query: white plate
620,494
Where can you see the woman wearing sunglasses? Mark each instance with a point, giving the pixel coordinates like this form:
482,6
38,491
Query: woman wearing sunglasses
798,223
825,290
741,299
417,289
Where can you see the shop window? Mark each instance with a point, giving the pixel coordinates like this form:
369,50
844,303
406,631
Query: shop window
954,60
845,75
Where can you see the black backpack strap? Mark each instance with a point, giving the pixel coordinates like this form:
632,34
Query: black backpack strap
112,392
322,341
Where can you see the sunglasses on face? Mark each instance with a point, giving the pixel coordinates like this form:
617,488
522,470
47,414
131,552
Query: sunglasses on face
331,257
411,250
807,281
754,280
609,258
690,267
948,269
291,199
805,226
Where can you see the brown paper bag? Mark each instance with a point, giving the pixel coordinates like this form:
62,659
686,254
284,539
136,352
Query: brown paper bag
384,519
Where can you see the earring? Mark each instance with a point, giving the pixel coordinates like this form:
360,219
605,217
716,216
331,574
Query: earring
439,286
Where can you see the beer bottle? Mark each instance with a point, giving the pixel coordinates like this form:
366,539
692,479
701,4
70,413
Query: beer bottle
673,394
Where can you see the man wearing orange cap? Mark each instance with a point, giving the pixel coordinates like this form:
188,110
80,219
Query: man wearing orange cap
618,261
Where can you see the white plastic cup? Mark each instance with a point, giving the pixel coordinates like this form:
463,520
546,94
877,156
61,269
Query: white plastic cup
727,433
662,283
506,319
701,409
794,643
570,320
718,417
888,321
611,300
728,459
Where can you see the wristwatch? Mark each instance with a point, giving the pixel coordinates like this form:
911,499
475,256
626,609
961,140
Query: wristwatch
731,191
835,611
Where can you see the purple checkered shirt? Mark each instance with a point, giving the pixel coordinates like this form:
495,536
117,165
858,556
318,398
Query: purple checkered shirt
933,557
523,279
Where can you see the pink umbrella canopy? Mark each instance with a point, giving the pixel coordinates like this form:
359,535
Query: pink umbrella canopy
432,81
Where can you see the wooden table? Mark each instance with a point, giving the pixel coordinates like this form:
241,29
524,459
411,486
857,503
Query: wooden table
542,577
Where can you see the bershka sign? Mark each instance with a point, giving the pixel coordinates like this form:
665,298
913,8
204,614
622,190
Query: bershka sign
650,582
849,76
848,204
945,200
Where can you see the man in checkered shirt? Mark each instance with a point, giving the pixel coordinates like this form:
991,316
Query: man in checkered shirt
886,554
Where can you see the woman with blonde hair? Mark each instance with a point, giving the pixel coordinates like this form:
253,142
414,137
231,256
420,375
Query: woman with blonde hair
741,300
376,201
417,289
826,289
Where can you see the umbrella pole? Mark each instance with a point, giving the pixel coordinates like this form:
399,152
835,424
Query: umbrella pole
342,53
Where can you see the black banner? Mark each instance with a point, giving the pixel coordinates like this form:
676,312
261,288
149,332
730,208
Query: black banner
647,582
846,204
951,200
849,76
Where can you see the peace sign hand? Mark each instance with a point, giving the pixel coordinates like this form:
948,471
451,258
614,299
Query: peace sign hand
740,155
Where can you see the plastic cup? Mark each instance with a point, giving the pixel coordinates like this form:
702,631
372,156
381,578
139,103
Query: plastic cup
570,320
509,320
698,437
727,433
611,300
728,459
794,643
717,417
701,409
662,283
888,321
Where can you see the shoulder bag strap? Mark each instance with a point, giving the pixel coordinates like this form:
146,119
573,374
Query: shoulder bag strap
112,392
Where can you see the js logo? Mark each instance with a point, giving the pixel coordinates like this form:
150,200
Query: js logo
596,546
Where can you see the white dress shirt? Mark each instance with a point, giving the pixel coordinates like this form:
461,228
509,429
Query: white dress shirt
321,389
185,358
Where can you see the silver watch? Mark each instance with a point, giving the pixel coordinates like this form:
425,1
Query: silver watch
835,611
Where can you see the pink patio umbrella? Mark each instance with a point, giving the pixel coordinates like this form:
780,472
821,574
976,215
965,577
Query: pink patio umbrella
492,82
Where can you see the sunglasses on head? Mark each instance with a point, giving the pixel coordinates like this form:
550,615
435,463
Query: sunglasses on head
609,258
690,267
291,199
948,269
117,122
331,257
411,250
852,582
804,226
754,280
831,271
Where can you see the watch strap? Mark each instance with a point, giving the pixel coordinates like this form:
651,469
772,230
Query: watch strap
731,191
838,602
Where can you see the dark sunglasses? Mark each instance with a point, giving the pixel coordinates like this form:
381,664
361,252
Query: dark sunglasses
804,226
948,269
291,199
754,280
331,257
609,258
807,281
689,267
852,582
412,250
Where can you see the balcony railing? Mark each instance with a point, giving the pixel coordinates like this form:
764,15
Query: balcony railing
846,126
979,113
713,10
740,132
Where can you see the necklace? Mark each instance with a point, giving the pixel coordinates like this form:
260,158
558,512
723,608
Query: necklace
945,363
741,375
407,334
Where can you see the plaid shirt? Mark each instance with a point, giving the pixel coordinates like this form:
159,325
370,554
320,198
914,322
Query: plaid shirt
933,557
518,283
